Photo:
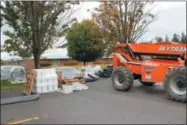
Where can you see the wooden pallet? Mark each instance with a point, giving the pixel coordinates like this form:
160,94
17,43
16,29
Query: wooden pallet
30,80
67,81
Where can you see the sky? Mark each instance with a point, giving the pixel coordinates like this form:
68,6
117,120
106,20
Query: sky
171,19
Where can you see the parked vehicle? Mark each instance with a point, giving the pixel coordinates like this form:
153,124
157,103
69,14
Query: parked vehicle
165,65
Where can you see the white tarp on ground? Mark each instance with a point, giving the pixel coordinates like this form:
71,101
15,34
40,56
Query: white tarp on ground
14,74
67,89
97,68
89,71
69,72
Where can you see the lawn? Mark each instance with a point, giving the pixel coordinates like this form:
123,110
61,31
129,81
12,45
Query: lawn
5,85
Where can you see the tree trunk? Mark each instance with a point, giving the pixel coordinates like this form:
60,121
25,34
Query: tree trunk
37,60
84,63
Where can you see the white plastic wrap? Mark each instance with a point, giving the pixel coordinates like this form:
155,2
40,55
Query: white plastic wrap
79,87
69,72
88,70
46,81
68,89
5,72
14,74
97,68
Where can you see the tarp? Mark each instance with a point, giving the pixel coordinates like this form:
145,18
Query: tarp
67,89
69,72
14,74
97,68
5,72
89,73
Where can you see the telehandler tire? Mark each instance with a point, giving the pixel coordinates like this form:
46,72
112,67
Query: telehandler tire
122,79
175,84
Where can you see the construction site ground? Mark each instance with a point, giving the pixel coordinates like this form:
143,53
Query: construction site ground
99,104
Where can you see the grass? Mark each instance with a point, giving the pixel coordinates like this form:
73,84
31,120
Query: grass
5,86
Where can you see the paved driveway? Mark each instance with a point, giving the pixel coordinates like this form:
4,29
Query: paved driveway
99,104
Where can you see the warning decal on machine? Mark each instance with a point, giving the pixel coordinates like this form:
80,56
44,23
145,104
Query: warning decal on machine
148,68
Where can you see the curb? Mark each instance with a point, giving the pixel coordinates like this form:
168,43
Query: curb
19,99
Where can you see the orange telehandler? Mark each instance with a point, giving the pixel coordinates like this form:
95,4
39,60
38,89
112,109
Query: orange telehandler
151,63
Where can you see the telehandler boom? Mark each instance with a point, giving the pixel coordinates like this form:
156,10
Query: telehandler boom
151,63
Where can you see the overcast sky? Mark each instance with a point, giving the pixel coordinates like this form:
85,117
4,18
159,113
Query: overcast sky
171,19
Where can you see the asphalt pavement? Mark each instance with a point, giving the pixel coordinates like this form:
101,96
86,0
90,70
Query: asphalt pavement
100,104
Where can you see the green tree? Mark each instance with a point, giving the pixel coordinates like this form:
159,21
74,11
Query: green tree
183,38
122,21
166,38
159,39
84,41
34,26
176,38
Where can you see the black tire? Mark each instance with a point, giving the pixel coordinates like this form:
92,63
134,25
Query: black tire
122,79
97,74
107,74
100,74
175,84
148,83
109,69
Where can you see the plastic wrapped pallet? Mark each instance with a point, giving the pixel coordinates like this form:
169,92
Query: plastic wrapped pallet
46,81
14,74
5,72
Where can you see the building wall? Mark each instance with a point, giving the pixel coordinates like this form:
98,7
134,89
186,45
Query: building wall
29,64
69,62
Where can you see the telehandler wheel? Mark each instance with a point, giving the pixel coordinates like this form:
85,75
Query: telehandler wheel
148,83
175,84
122,79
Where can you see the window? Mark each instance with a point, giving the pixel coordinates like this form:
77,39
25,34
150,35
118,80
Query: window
145,57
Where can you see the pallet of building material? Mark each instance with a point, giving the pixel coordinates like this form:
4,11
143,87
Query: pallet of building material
62,81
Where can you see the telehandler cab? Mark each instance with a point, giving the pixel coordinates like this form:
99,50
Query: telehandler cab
151,63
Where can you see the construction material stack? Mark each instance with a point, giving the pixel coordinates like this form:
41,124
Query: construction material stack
46,81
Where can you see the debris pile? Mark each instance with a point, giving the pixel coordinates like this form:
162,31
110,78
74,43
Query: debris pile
106,72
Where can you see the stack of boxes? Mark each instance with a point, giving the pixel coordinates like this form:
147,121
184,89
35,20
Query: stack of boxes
46,81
